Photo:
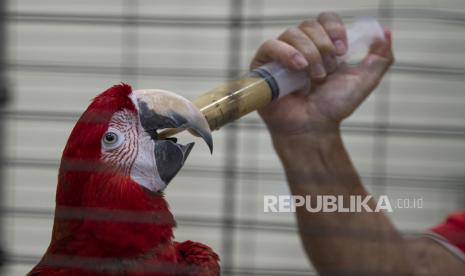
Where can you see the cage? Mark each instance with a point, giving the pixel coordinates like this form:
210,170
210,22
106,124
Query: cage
407,139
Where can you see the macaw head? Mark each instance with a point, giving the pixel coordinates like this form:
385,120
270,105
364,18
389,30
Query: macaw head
114,168
114,147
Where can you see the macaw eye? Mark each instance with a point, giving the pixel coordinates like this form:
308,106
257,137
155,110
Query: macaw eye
112,139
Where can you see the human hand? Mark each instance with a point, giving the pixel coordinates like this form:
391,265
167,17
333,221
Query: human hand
336,90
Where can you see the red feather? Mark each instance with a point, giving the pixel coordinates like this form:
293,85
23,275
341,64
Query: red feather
201,257
105,223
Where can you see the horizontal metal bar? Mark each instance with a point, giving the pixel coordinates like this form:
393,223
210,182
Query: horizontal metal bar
195,221
206,73
411,130
398,12
252,271
30,260
400,181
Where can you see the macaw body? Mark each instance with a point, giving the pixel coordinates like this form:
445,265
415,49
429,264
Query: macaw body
111,217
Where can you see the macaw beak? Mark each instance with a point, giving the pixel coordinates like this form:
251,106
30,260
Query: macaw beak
159,109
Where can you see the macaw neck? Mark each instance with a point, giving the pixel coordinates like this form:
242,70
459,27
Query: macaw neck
115,218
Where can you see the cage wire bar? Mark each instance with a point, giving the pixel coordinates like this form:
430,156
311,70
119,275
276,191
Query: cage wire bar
230,173
3,101
381,114
130,42
230,169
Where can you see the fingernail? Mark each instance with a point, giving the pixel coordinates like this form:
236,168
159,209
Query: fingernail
340,47
318,71
299,61
330,63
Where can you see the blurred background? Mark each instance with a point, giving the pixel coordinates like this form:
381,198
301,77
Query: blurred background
407,140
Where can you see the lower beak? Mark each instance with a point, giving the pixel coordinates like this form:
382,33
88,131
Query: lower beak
170,158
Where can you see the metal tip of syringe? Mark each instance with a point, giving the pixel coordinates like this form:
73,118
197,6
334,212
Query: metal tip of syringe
169,132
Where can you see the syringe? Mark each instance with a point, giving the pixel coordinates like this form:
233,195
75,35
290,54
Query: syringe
271,81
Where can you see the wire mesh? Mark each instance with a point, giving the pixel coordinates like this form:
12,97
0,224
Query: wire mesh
408,138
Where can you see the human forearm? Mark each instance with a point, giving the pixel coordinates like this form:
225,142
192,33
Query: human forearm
316,163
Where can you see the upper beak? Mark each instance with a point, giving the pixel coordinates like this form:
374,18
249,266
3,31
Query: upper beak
159,109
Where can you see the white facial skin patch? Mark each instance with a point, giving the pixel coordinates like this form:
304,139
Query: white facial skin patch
127,146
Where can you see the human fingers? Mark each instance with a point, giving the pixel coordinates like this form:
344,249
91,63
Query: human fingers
322,41
298,39
274,49
335,28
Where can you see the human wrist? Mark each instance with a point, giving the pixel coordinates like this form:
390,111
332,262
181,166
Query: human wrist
306,150
317,163
313,137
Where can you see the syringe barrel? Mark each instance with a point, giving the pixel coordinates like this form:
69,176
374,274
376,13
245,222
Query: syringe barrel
233,100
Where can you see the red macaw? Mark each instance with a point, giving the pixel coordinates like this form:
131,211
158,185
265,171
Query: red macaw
111,217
